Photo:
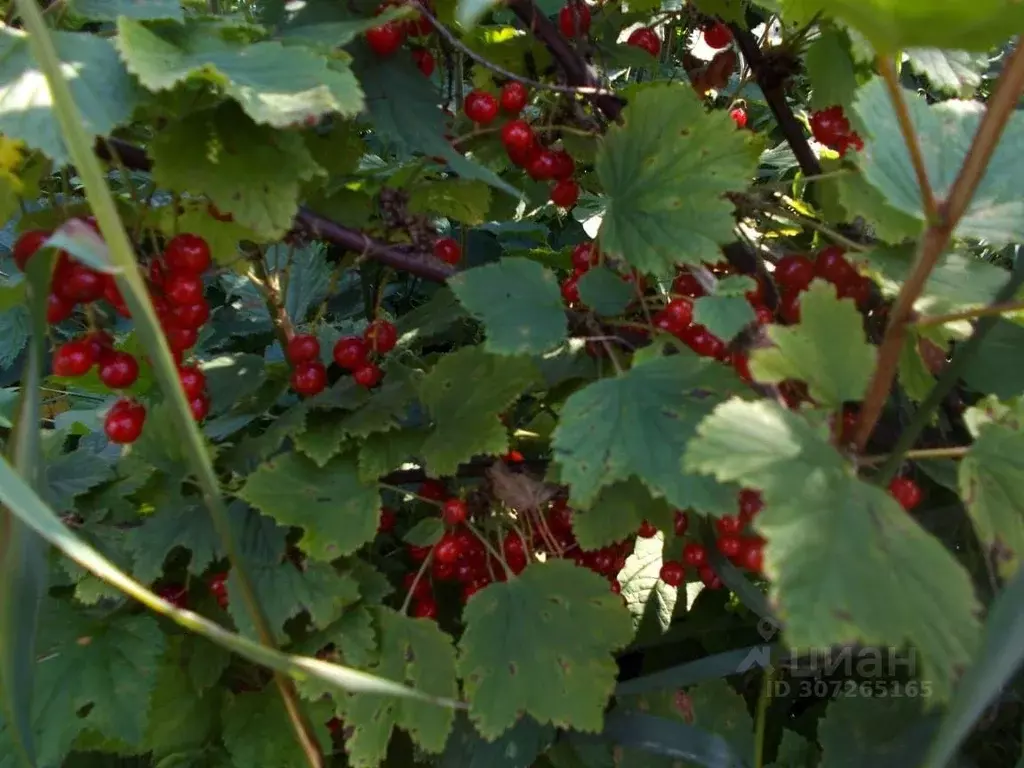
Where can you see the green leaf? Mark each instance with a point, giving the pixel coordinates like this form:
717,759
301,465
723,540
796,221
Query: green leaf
466,392
996,367
333,34
607,429
84,243
384,410
104,92
858,198
73,474
518,747
954,72
605,292
110,10
385,452
180,717
519,303
989,475
308,277
665,202
891,25
945,131
257,181
826,592
469,12
465,200
618,512
323,437
522,650
413,651
866,730
14,335
254,736
718,709
337,512
426,533
108,667
648,598
831,70
724,316
177,522
827,349
275,85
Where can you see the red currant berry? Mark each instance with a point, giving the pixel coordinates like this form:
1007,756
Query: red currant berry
368,376
454,511
560,517
183,289
584,256
481,107
448,549
200,406
646,39
424,61
764,315
672,573
906,492
729,525
219,589
687,284
181,339
176,595
119,370
417,554
681,522
523,157
381,336
751,554
694,555
518,135
75,358
709,577
680,312
565,166
750,504
76,282
729,545
302,348
388,520
350,353
739,116
514,97
101,343
570,291
789,307
574,19
188,254
448,250
831,265
385,39
123,423
565,193
193,381
830,126
113,295
646,530
543,166
717,36
794,272
192,316
58,309
433,490
26,246
309,378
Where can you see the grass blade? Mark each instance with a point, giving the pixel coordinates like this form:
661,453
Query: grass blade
129,278
670,738
997,661
23,572
23,502
712,667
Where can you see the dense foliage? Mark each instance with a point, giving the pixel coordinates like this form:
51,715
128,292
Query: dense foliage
565,386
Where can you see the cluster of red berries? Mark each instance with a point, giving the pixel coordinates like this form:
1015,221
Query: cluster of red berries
743,550
585,257
177,594
387,38
351,353
176,290
795,272
521,143
574,21
831,128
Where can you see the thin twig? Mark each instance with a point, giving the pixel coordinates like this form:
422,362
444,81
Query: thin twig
1001,105
261,278
969,314
954,452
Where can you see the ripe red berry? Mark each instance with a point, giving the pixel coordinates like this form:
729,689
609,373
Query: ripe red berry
570,291
454,511
574,19
350,352
368,376
58,309
764,315
425,608
302,347
794,272
192,316
687,284
448,549
433,490
219,589
750,504
76,282
646,39
180,339
729,545
543,166
830,126
679,312
694,555
481,107
789,307
381,336
309,378
517,135
101,343
183,288
831,265
584,256
522,157
176,595
646,530
728,525
424,61
751,554
717,36
672,573
27,244
388,520
680,522
385,39
417,554
565,166
123,423
514,97
119,370
448,250
739,116
709,577
906,492
188,254
73,358
193,381
200,406
565,193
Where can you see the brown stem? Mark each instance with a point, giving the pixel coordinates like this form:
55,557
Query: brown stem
1000,106
969,314
954,452
272,298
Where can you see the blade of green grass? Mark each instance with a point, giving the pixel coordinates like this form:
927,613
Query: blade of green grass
23,573
129,278
671,738
997,661
30,509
